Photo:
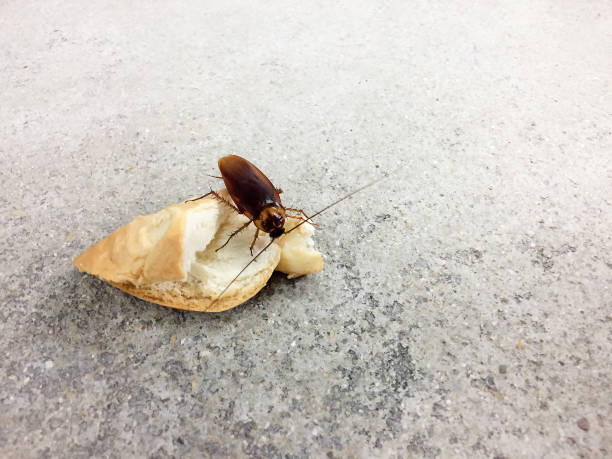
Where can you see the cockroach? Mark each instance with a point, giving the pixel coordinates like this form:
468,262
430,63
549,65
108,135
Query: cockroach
254,196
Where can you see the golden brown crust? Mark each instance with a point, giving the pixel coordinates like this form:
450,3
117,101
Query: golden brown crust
149,249
176,300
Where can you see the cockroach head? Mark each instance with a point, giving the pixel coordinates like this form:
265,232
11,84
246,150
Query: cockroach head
272,221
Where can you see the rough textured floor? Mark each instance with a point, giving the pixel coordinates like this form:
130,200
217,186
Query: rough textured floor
465,309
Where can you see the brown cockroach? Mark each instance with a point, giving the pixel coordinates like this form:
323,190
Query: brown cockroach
255,197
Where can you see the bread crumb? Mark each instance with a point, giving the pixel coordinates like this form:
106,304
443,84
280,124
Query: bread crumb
520,344
16,213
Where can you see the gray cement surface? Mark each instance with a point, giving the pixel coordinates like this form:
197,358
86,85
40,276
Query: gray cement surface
465,307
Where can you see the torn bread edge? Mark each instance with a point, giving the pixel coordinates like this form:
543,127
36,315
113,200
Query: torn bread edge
169,257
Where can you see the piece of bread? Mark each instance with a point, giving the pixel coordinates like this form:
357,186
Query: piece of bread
169,258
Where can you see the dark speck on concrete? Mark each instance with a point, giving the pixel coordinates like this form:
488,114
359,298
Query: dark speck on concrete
583,423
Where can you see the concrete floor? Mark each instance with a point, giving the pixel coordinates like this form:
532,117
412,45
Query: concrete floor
465,308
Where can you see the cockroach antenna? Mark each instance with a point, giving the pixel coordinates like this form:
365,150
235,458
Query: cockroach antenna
274,232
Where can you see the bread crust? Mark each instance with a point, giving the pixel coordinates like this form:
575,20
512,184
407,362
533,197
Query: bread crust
202,304
145,258
145,251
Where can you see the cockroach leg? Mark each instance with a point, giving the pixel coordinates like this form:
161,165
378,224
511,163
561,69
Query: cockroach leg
300,211
218,197
224,201
279,190
215,176
303,220
201,197
234,233
254,240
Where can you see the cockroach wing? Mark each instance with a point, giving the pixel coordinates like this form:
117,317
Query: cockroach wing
249,188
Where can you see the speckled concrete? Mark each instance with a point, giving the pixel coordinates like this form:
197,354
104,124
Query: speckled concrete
465,308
